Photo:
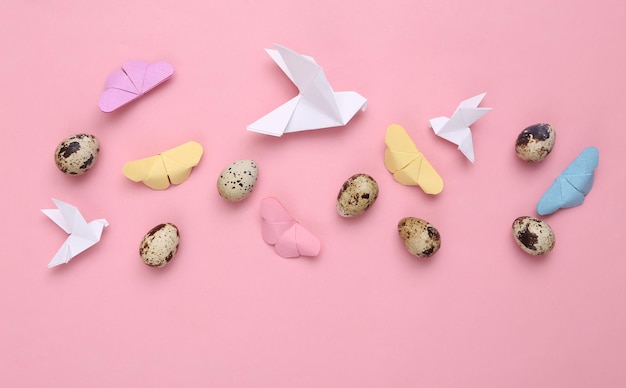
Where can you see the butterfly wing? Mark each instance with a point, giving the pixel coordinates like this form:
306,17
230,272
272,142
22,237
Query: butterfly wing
147,76
428,178
173,166
286,245
179,161
420,173
136,72
306,242
407,164
297,241
132,81
560,195
150,171
119,90
275,220
400,151
580,173
279,228
570,188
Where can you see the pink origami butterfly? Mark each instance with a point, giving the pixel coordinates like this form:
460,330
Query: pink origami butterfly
132,81
279,228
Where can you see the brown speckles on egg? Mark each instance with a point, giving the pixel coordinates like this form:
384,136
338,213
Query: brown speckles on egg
535,142
159,245
534,236
419,237
237,180
356,195
344,187
527,238
77,154
67,149
87,163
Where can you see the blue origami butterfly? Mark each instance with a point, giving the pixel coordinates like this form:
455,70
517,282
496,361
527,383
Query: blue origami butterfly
571,187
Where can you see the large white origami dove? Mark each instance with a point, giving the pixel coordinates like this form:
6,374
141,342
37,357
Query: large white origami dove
456,128
82,235
317,106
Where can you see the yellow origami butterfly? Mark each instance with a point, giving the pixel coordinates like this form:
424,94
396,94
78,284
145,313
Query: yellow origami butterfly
173,166
407,164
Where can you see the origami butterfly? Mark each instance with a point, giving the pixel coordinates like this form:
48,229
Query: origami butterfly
173,166
82,235
279,228
317,106
132,81
407,164
570,188
456,128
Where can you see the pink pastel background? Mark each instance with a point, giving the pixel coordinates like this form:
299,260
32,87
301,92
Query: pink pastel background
229,312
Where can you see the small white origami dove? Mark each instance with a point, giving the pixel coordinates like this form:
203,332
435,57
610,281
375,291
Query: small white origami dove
317,106
82,235
456,128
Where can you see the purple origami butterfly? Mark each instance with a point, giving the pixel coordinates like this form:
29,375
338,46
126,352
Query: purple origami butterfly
132,81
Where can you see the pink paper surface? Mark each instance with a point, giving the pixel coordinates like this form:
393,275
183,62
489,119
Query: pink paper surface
226,312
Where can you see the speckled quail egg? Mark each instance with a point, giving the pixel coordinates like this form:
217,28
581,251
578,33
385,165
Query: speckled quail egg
159,245
535,142
77,154
237,180
356,195
420,237
533,235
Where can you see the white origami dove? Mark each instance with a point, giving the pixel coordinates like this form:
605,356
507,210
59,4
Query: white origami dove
456,128
82,235
317,106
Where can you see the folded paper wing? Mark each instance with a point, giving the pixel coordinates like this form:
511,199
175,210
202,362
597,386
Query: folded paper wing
407,164
279,228
316,106
133,80
172,166
456,128
570,188
82,235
